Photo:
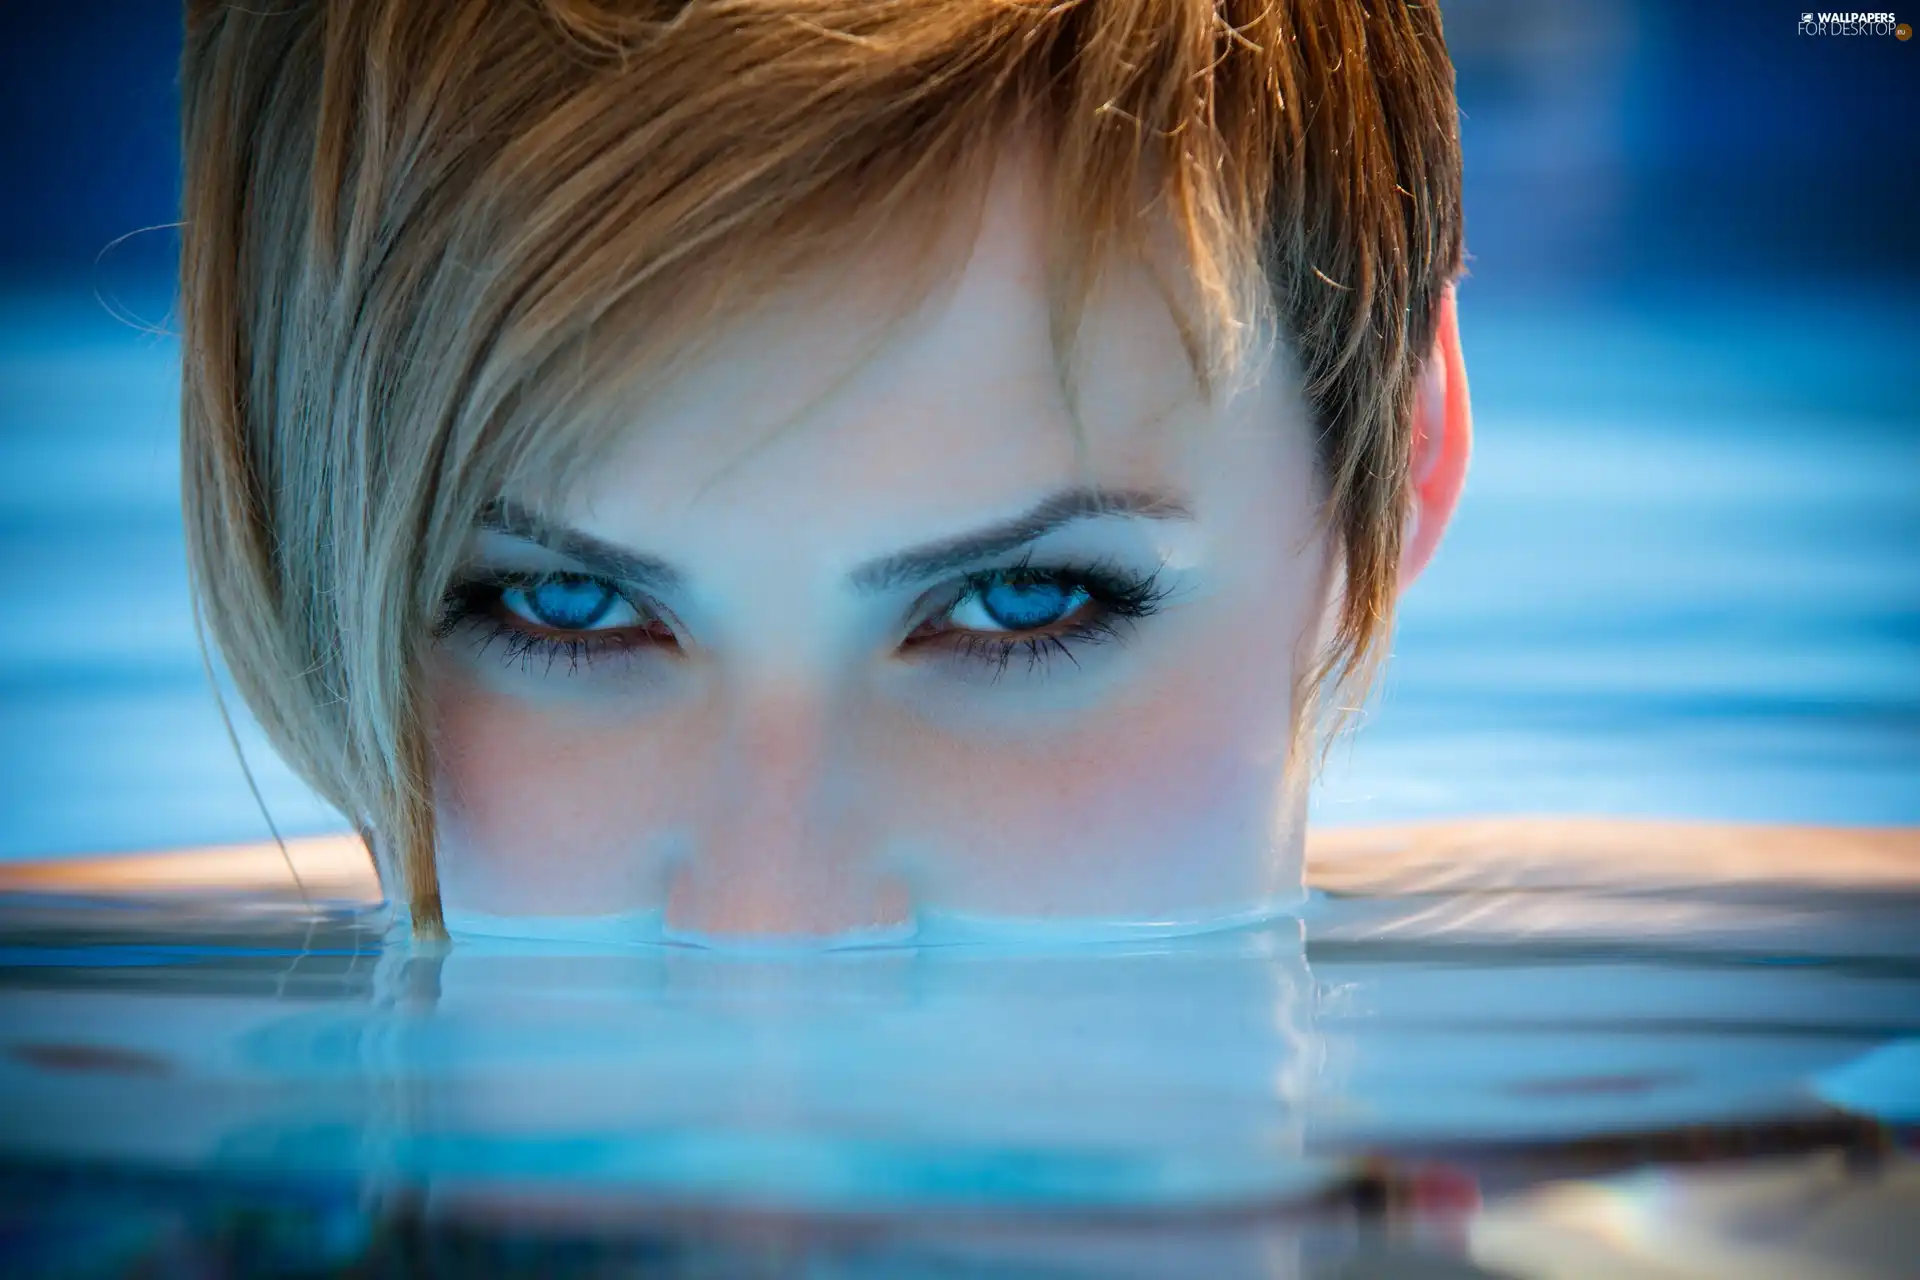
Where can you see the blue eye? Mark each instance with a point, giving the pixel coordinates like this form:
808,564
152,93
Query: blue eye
1043,612
1003,605
569,603
576,618
567,618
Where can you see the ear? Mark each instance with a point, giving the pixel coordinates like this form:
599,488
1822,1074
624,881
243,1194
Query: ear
1442,443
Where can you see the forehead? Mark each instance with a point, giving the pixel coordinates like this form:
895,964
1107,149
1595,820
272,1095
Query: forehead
852,396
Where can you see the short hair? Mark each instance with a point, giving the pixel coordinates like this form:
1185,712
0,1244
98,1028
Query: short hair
421,237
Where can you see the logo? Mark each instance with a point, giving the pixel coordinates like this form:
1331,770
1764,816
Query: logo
1853,24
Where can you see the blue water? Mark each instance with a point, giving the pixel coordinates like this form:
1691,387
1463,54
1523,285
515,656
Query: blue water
248,1086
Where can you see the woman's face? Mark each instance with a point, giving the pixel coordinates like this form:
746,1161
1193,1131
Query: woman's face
842,637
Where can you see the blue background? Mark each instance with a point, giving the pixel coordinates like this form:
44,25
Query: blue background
1686,578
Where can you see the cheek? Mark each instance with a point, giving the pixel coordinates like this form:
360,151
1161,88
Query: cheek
546,809
1185,796
1172,802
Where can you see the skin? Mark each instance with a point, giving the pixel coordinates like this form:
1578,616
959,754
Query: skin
791,758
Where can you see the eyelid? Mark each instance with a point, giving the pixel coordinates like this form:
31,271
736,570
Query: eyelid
1124,595
525,578
1086,573
529,579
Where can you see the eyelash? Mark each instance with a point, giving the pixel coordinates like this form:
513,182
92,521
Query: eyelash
1117,599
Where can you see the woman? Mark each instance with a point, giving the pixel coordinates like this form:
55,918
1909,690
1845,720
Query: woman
777,470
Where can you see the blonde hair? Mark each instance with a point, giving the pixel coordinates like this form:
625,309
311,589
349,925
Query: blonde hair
423,236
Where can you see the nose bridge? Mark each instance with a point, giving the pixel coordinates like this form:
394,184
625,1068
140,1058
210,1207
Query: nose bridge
784,845
774,750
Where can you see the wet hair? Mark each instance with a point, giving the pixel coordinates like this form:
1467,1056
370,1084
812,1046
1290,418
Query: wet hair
424,240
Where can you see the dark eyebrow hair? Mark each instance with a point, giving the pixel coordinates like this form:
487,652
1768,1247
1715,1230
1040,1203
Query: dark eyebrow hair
888,573
596,555
932,559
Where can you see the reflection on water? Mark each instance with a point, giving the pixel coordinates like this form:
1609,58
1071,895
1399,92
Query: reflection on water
1255,1101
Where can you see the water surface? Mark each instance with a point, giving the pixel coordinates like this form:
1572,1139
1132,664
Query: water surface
1396,1070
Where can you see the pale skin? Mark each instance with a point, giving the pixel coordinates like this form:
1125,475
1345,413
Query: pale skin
771,719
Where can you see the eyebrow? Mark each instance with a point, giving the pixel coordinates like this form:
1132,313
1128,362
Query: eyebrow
932,559
596,555
888,573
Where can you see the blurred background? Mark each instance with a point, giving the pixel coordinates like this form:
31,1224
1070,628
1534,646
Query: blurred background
1685,579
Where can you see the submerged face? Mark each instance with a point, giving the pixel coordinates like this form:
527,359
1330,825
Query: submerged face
844,638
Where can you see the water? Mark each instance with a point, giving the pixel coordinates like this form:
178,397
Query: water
1684,583
1392,1076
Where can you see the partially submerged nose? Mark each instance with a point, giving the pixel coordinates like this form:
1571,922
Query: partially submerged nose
786,849
756,912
